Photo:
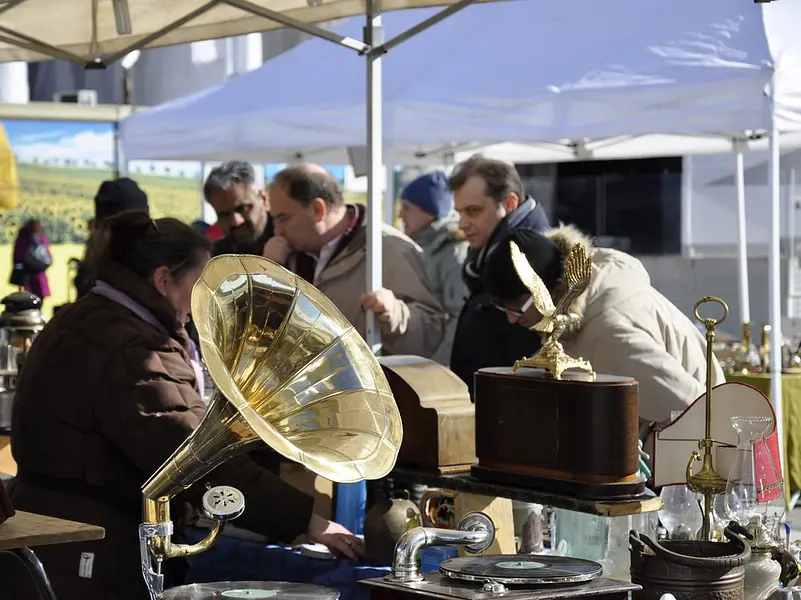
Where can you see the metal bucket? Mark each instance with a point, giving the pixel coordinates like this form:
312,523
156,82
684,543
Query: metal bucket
689,570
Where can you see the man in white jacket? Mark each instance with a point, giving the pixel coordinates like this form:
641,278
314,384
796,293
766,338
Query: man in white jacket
627,327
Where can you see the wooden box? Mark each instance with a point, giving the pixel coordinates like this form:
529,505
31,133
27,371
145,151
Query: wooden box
438,416
574,436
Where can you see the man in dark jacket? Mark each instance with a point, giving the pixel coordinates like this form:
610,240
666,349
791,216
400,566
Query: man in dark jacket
242,208
113,197
491,201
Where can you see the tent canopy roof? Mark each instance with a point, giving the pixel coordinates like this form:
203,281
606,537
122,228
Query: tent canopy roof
87,29
521,70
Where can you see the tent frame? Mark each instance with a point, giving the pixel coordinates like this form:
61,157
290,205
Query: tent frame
372,47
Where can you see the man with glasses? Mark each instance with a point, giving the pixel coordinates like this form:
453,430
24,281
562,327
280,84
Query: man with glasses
242,209
489,196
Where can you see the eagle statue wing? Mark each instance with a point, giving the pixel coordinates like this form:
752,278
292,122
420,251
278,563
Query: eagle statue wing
578,272
539,293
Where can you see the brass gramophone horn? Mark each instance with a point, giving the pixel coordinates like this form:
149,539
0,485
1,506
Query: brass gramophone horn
290,372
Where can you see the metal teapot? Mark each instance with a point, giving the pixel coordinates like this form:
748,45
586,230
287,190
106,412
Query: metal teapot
21,321
769,565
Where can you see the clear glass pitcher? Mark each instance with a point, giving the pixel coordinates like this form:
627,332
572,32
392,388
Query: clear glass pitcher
754,488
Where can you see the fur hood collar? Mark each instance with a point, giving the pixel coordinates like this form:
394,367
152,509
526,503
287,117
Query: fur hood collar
616,276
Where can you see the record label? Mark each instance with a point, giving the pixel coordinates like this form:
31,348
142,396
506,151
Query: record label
252,594
520,564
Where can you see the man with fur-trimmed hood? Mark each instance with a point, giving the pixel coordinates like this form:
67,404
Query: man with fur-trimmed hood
627,327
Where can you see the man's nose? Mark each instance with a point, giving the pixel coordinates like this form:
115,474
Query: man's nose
462,222
513,319
235,220
279,229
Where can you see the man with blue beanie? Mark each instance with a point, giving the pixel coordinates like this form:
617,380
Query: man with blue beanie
426,212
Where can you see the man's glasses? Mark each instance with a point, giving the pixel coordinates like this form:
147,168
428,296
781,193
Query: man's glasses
515,313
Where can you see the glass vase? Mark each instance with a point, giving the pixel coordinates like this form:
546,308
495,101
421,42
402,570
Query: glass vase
754,489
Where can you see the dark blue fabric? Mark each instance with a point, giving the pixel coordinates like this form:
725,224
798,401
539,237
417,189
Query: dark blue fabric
244,560
484,337
431,193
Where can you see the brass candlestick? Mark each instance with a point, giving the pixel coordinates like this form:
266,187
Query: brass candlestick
707,481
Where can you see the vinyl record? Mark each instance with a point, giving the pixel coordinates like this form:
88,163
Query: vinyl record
250,590
524,570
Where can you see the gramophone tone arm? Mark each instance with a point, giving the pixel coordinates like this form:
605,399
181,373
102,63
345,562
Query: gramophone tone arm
475,532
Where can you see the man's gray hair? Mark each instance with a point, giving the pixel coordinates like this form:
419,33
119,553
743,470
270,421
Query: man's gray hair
228,174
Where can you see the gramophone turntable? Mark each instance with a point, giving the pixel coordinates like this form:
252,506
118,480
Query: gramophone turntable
516,577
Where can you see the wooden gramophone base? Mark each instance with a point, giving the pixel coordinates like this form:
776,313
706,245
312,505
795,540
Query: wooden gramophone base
568,487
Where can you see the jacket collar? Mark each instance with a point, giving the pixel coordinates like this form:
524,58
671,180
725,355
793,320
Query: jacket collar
142,292
354,247
438,232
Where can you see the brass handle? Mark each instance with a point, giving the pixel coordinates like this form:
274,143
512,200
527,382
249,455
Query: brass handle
694,457
710,322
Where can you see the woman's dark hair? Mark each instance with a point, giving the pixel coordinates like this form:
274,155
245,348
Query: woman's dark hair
143,245
31,227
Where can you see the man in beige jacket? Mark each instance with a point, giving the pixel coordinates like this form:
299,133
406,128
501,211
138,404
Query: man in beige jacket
627,327
324,240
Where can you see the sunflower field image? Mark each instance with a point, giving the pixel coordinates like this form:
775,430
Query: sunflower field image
51,170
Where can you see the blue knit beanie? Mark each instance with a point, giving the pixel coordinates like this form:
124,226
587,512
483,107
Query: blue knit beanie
431,193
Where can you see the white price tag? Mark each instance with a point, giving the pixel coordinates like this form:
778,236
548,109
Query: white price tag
86,565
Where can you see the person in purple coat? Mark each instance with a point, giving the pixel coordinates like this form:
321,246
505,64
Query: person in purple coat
32,259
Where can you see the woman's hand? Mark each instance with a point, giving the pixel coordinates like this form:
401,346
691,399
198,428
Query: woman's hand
335,537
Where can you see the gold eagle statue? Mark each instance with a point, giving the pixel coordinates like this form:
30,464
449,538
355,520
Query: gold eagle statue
556,319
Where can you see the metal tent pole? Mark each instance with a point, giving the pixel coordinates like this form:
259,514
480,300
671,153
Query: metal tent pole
791,257
389,191
374,36
774,278
687,206
742,244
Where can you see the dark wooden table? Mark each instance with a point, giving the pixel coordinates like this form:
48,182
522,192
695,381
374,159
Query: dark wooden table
468,484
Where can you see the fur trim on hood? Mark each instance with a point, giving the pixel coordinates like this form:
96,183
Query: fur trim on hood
616,275
567,236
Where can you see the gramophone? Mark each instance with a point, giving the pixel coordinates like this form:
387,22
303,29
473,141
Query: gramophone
291,372
551,422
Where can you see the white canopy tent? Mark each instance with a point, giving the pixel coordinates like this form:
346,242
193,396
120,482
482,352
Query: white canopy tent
574,80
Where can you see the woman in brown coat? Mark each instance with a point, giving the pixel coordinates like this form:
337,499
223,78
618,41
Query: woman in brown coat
106,394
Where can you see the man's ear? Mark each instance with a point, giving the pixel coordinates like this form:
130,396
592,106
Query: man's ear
319,208
511,202
265,198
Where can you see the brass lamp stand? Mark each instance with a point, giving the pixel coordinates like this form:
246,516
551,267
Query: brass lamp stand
707,481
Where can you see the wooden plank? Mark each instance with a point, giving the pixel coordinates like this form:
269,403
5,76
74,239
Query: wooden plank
26,530
497,509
